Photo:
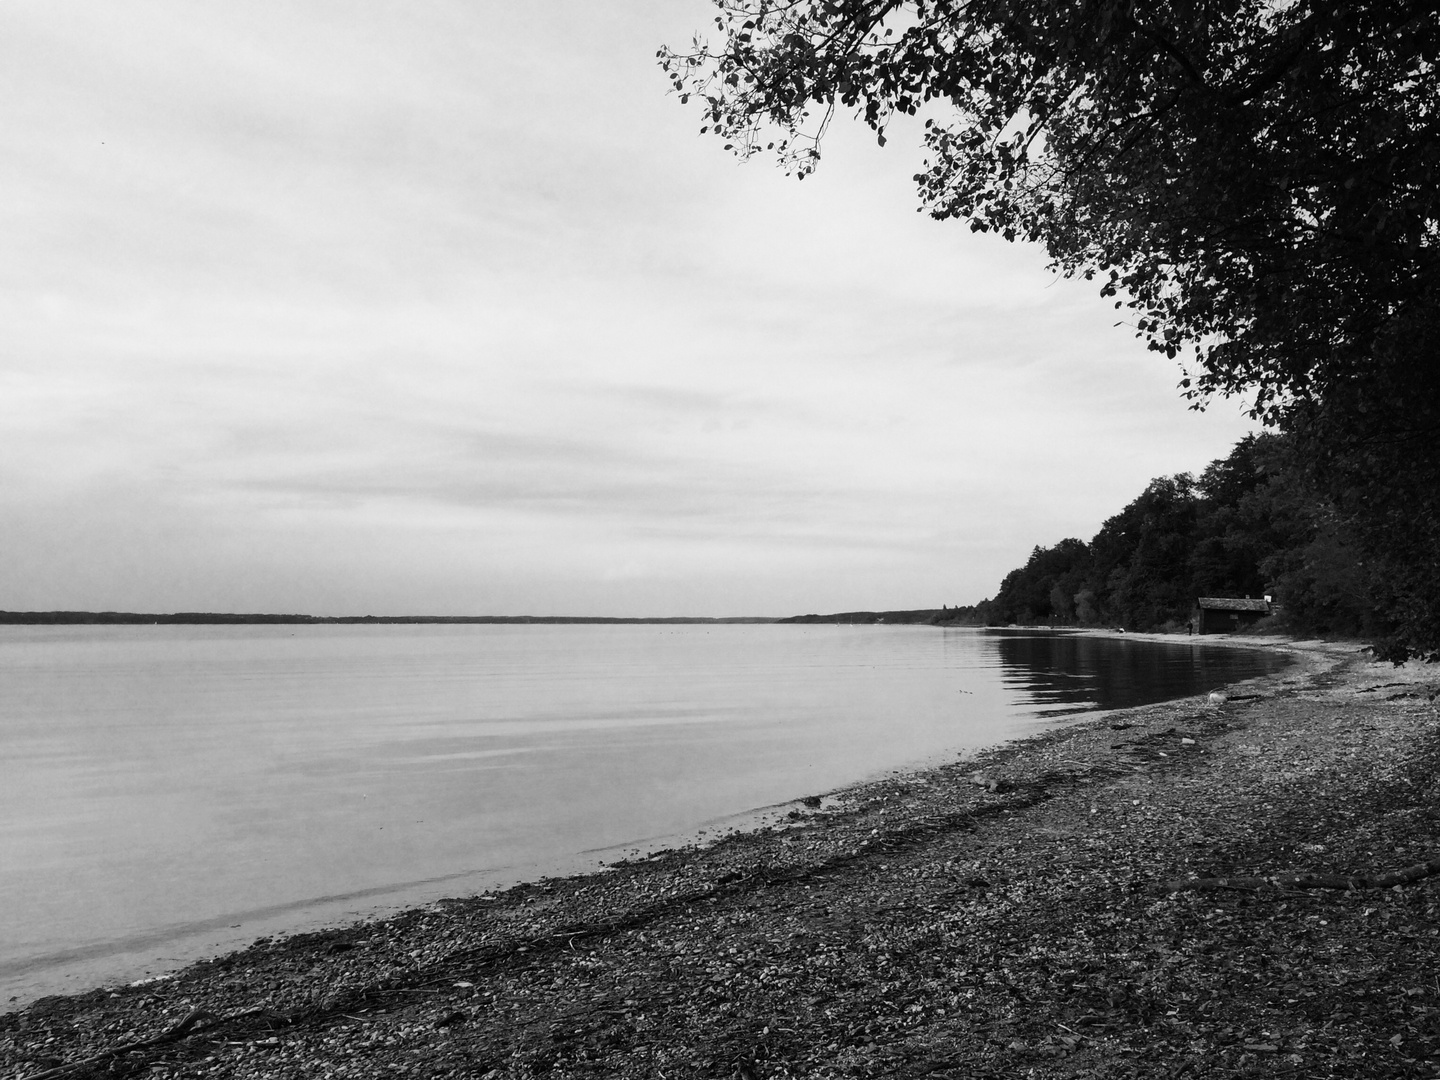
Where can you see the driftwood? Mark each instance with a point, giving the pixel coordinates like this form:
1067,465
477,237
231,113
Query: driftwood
1406,876
171,1034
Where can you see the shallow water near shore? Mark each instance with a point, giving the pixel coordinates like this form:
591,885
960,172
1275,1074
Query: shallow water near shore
173,792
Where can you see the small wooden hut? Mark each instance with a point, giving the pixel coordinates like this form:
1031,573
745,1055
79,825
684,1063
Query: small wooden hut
1227,614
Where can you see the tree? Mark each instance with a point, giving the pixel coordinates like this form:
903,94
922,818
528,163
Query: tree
1237,530
1044,589
1141,556
1257,180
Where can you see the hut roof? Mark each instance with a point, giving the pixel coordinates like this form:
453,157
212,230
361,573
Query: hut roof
1232,603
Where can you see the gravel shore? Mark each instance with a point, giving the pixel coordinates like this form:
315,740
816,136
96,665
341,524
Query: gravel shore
1031,912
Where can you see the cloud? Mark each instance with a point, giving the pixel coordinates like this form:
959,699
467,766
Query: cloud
376,308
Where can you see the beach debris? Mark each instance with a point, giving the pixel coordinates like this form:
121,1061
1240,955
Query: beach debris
194,1022
1389,880
990,783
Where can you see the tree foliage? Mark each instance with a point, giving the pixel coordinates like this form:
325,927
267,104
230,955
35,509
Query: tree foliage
1258,181
1245,172
1046,589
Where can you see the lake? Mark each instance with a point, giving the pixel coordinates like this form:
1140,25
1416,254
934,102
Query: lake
171,792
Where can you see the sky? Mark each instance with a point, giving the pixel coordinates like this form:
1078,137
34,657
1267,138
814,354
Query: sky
448,308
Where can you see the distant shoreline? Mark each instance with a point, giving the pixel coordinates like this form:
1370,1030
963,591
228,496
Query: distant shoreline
922,616
204,618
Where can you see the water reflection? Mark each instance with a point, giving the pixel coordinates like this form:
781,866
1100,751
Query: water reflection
1066,672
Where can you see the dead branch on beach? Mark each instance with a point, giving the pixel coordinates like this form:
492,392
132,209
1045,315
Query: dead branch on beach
194,1023
1407,876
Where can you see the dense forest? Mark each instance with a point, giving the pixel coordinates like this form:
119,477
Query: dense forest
1251,524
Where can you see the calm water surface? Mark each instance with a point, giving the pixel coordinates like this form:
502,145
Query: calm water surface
170,792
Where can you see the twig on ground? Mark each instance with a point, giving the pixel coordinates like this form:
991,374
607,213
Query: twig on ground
171,1034
1406,876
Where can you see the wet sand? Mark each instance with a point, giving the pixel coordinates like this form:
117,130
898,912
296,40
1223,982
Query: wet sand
1026,912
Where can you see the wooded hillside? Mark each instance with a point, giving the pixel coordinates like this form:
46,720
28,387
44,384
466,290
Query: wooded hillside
1250,524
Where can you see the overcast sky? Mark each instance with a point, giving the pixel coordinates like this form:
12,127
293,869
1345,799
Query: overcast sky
379,307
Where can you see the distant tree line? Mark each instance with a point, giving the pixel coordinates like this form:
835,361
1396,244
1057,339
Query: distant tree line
1254,523
183,618
971,615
